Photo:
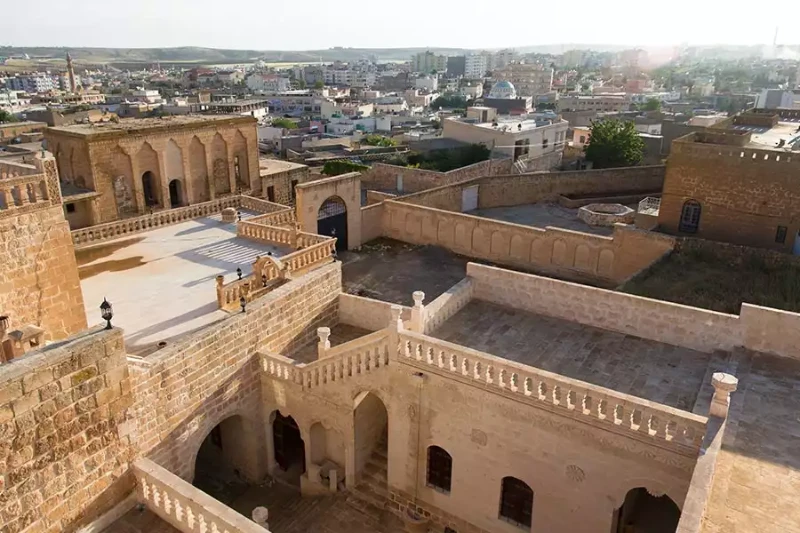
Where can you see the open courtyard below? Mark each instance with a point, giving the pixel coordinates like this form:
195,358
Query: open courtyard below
162,283
541,215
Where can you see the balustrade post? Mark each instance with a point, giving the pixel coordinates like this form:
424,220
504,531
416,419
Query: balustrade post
324,343
418,313
220,290
724,385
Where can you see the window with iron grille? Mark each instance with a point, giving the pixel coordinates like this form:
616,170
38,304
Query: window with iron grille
440,469
516,502
333,206
690,217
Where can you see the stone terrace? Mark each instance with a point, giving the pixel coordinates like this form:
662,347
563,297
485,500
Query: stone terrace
648,369
162,283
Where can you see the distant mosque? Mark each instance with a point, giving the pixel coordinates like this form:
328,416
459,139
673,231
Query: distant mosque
504,90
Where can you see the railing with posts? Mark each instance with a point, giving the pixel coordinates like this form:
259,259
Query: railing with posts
183,506
261,206
346,361
21,193
563,395
650,206
267,234
278,218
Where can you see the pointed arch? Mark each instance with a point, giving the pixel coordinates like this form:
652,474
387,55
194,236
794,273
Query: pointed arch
147,162
198,171
241,167
219,158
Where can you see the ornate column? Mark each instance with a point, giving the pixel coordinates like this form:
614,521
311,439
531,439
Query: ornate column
138,190
418,313
324,343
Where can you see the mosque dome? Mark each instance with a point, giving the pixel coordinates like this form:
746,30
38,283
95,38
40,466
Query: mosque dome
503,89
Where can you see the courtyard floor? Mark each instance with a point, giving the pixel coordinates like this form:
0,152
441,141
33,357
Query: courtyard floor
541,215
162,282
648,369
390,271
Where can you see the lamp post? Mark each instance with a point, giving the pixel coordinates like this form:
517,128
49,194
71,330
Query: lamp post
239,272
107,313
243,303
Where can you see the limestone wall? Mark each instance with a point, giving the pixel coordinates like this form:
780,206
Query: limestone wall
183,391
385,177
366,313
64,433
39,276
312,195
371,222
675,324
569,254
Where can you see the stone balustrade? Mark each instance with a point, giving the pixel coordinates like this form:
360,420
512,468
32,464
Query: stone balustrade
446,305
351,359
26,192
563,395
129,226
183,506
269,272
266,234
278,218
261,206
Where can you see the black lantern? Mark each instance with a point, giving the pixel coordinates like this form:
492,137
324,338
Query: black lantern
263,280
239,214
106,312
243,303
239,272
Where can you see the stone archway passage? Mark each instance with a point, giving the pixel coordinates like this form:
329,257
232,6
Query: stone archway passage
290,454
332,221
175,193
149,189
644,513
218,465
371,424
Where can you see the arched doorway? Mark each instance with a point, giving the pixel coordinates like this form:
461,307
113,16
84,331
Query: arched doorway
175,193
149,189
218,463
644,513
371,423
290,451
332,221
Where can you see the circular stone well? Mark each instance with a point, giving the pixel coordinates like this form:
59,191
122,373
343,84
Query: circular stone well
606,214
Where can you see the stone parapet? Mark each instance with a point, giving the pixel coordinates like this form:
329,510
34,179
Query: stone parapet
185,507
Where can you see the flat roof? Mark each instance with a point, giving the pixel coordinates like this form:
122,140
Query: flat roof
512,124
268,167
771,137
28,123
154,124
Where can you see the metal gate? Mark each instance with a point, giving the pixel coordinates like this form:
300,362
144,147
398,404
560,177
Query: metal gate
332,221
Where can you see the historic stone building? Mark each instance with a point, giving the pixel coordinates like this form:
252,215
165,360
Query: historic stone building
245,376
133,166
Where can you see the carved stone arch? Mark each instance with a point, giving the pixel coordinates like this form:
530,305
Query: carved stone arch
198,171
559,253
219,161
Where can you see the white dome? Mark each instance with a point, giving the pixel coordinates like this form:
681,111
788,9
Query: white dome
503,89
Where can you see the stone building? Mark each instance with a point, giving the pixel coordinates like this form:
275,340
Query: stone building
504,402
135,166
737,185
279,178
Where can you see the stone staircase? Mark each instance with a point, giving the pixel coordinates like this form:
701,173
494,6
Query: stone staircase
370,494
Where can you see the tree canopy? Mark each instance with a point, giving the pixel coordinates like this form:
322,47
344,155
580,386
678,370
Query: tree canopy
5,116
335,168
652,104
285,123
378,140
614,143
453,101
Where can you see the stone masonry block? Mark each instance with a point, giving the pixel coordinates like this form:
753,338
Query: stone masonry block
34,380
25,403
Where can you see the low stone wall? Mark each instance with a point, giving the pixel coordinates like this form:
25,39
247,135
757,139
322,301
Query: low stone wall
64,432
367,313
675,324
384,177
569,254
447,304
376,197
371,222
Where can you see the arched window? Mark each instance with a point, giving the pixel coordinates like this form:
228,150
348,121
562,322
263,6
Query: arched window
440,469
690,217
516,502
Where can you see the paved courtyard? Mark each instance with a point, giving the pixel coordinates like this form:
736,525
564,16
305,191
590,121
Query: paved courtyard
390,271
541,215
162,283
648,369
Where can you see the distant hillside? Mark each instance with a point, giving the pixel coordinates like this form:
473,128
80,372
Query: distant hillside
192,54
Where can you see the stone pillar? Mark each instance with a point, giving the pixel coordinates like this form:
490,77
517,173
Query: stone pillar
418,313
324,343
220,283
163,179
724,385
396,323
188,182
212,187
231,167
94,210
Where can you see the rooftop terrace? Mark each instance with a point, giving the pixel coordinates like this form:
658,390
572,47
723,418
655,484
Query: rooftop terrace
162,283
146,124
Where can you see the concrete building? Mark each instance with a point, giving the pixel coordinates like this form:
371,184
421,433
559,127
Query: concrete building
607,103
267,83
778,99
257,108
427,62
427,83
530,79
476,66
517,137
456,65
36,83
737,185
121,169
9,100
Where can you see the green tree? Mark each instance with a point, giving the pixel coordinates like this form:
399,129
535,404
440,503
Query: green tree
301,84
5,116
318,84
284,123
378,140
335,168
453,101
652,104
613,143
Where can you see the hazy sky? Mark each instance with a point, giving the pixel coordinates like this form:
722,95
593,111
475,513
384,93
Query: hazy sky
312,24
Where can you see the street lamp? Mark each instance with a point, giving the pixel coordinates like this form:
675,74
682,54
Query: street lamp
107,313
239,272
